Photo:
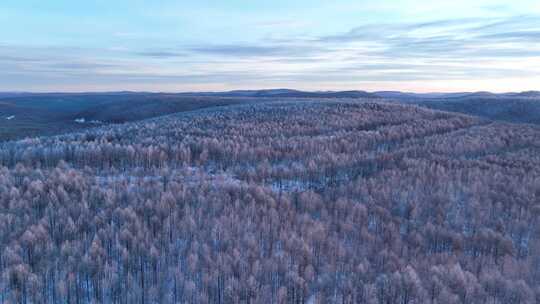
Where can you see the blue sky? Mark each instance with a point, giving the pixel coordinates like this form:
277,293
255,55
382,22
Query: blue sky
411,45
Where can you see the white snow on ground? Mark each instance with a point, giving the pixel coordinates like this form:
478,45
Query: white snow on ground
83,120
10,117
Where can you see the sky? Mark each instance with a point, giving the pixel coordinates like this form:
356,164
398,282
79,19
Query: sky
174,46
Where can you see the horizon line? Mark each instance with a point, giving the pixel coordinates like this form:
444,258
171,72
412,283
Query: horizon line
255,90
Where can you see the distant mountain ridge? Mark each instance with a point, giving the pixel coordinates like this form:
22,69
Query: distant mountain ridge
479,94
287,93
525,94
291,93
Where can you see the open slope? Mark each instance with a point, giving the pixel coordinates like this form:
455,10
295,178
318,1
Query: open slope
281,202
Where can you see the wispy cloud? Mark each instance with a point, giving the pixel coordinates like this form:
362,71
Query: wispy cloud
260,50
436,50
446,39
161,54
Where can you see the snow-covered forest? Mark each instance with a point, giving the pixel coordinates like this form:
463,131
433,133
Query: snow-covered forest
280,202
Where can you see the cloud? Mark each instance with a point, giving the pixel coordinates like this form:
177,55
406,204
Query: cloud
8,58
285,50
84,66
252,50
437,50
444,24
445,39
524,36
161,54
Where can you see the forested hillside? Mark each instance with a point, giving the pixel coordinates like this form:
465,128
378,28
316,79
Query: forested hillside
26,115
38,114
518,108
281,202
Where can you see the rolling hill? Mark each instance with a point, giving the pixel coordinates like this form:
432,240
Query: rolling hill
516,108
294,201
31,114
55,113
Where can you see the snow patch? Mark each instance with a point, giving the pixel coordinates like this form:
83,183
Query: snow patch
83,120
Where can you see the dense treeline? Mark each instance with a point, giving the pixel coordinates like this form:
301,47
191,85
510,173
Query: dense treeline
323,202
519,108
29,115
